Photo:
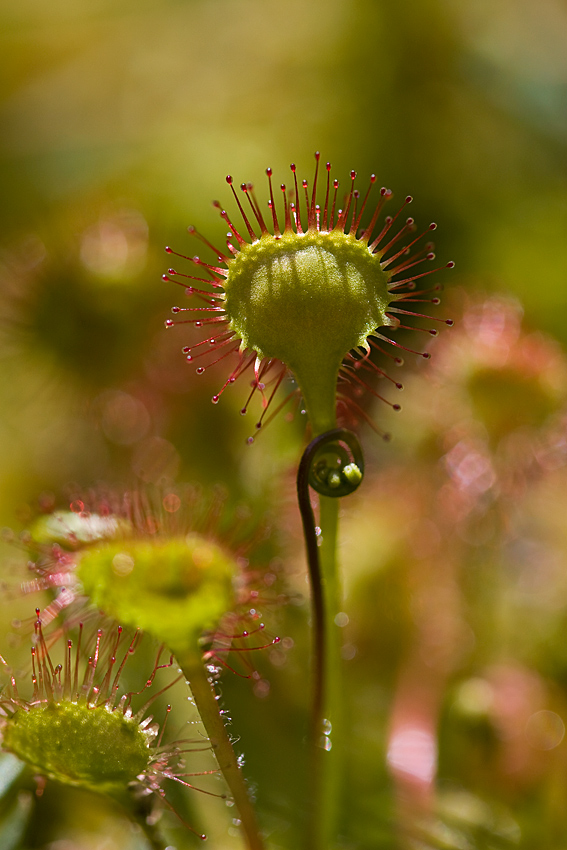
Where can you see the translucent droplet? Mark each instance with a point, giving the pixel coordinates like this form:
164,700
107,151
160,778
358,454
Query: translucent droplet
325,743
327,727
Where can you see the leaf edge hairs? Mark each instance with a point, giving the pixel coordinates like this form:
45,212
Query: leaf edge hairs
313,297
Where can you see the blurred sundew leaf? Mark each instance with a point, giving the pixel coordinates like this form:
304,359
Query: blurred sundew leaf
15,808
14,822
11,768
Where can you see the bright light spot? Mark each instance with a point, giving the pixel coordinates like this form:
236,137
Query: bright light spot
171,502
155,461
116,246
413,751
545,730
123,418
262,688
475,697
122,564
469,468
348,651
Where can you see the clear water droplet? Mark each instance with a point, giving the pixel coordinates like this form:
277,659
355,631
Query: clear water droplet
327,727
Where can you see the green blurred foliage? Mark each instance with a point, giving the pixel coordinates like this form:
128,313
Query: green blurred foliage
118,124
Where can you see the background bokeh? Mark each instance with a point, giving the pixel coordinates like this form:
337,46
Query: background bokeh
118,124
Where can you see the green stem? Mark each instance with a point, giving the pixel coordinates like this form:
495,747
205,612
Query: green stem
326,748
331,759
207,706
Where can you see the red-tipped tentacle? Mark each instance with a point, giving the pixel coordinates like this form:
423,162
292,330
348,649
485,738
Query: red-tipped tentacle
385,195
349,372
249,227
350,404
215,346
246,359
248,190
229,334
201,369
409,227
224,215
424,354
394,284
356,223
326,209
410,262
287,228
312,217
373,247
336,189
298,227
272,205
191,289
279,378
192,231
448,322
406,248
341,221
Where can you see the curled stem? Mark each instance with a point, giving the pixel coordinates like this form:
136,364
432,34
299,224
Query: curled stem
333,465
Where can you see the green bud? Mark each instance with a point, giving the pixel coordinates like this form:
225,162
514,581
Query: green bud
353,474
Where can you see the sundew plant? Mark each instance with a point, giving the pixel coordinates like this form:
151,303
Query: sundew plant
313,297
336,655
282,504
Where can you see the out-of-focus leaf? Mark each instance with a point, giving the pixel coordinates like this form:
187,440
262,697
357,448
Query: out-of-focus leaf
11,769
13,825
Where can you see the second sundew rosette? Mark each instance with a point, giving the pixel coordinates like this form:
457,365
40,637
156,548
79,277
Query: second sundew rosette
174,580
165,574
175,589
